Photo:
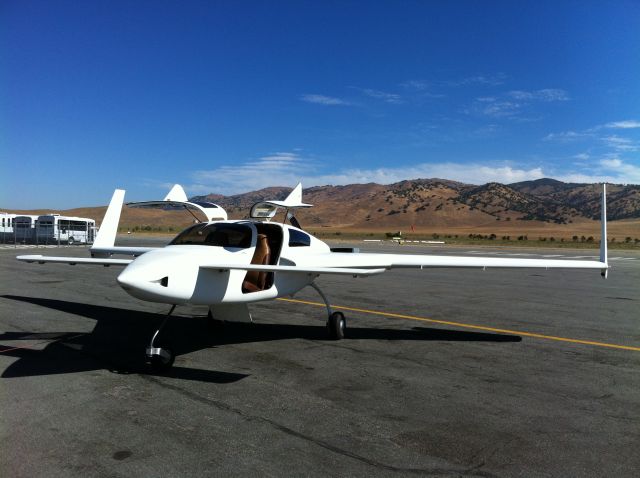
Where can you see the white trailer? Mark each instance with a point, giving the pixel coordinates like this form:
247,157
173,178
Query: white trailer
6,222
54,228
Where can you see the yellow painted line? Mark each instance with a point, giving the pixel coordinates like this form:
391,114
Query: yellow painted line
467,326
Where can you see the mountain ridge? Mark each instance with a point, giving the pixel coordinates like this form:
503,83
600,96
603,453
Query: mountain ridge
435,201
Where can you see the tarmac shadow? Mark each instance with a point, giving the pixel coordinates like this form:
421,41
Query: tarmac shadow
120,336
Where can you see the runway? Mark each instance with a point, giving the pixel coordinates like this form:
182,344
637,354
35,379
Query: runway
443,373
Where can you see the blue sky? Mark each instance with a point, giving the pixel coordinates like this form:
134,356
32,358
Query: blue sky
232,96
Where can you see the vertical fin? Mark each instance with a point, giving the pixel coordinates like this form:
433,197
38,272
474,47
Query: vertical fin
176,194
295,196
108,229
603,232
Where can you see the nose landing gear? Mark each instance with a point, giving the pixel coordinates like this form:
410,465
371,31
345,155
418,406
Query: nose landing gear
160,358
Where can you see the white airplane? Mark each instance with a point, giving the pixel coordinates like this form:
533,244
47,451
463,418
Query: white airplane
227,265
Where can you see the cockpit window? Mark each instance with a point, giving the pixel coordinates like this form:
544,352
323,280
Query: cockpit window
298,239
220,235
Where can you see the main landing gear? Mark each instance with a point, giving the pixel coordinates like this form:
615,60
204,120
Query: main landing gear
336,321
160,358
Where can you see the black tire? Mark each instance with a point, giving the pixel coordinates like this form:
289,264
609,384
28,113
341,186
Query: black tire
70,241
159,363
337,325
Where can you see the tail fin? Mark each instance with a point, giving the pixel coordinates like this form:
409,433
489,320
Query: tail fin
603,233
176,194
294,199
108,229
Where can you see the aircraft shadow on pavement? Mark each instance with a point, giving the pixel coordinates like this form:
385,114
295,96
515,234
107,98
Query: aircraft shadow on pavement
120,336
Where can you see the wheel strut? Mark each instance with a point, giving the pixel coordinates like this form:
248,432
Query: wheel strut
160,358
324,298
336,321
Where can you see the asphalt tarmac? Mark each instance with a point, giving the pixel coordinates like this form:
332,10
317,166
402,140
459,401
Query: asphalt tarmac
443,373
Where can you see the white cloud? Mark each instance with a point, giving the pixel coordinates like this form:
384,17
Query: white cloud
288,168
416,85
490,80
625,172
626,124
323,100
613,163
382,95
420,88
567,136
547,94
619,143
498,109
513,103
262,172
284,168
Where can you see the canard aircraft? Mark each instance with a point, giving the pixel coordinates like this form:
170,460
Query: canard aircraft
228,264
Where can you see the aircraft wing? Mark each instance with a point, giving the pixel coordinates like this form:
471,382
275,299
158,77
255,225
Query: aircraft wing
74,260
366,264
127,251
391,261
360,271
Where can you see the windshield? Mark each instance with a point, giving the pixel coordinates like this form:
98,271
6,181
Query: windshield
219,235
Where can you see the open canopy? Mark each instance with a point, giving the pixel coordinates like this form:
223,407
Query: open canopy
267,209
177,200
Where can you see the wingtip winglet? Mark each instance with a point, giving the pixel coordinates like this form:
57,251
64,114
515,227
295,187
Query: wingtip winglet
603,225
603,233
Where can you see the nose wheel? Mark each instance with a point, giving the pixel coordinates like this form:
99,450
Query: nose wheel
160,359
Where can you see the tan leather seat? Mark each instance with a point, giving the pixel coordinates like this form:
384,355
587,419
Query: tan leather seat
255,281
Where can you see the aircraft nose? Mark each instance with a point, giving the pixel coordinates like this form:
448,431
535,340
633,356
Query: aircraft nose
148,281
126,280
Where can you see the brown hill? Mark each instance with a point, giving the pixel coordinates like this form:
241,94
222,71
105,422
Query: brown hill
440,202
623,202
503,202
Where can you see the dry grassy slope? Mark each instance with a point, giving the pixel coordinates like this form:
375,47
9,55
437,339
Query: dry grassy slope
623,202
503,201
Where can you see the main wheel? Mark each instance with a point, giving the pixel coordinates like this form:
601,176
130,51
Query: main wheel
70,241
161,359
337,325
